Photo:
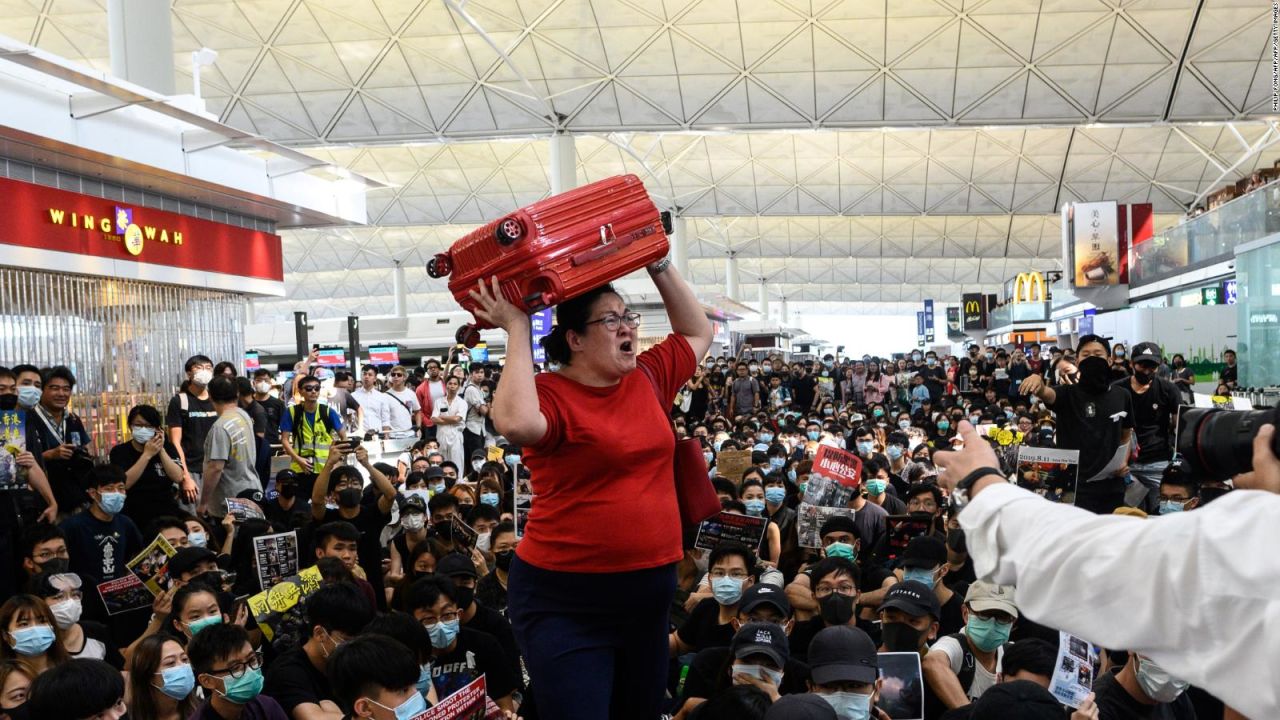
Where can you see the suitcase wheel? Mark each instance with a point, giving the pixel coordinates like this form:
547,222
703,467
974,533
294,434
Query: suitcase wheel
509,231
439,266
467,335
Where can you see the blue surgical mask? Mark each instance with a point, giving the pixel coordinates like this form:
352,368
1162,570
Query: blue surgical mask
775,495
754,507
920,575
143,434
717,445
195,626
791,475
111,503
424,678
813,435
198,539
765,437
489,498
406,710
865,447
708,456
904,424
438,488
1008,414
443,634
512,460
32,641
777,463
986,633
931,362
877,486
944,425
726,590
849,705
1168,507
28,396
179,681
975,419
841,550
894,452
241,690
878,413
828,411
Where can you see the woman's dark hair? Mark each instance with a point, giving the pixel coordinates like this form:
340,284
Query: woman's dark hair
75,689
572,315
222,367
38,610
143,666
149,415
179,604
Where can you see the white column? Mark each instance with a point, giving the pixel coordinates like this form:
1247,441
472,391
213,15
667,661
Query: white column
564,163
680,245
764,301
140,40
398,289
731,277
250,312
782,311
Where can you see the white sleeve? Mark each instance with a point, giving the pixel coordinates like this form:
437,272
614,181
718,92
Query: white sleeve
1194,591
949,647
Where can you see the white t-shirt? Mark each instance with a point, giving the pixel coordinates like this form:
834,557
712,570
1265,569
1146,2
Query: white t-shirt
401,418
377,412
982,679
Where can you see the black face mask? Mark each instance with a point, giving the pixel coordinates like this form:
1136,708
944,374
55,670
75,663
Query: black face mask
54,566
900,637
837,609
955,540
349,498
464,596
1095,375
287,491
1142,377
503,559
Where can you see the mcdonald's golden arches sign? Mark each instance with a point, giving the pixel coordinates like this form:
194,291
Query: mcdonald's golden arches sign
1028,287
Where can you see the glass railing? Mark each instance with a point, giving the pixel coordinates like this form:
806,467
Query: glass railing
1208,237
1018,312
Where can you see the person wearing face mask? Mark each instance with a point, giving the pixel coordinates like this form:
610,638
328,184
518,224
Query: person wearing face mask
103,539
758,657
413,525
732,570
775,507
15,682
961,666
161,681
29,632
461,571
341,484
840,538
875,486
308,428
1095,418
1142,689
754,500
844,671
375,677
25,464
935,376
189,417
1155,408
924,561
900,463
287,504
491,590
459,654
80,638
1179,490
835,580
335,614
149,466
230,671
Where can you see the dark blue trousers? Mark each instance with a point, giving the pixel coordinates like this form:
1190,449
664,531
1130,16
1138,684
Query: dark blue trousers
595,644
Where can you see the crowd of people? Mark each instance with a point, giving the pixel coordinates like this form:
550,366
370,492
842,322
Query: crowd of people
598,604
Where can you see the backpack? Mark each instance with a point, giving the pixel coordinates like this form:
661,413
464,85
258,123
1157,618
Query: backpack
322,414
968,663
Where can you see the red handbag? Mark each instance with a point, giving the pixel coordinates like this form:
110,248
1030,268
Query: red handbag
694,492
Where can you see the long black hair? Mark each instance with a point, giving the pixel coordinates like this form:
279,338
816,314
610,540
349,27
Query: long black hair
572,315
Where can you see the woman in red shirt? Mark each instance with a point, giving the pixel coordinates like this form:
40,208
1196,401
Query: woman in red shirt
594,575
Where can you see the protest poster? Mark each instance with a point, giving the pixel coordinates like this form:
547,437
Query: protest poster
1051,473
811,519
902,529
277,557
125,594
731,527
524,502
242,509
902,692
151,566
834,479
732,463
469,703
1221,402
1073,672
270,605
13,442
462,534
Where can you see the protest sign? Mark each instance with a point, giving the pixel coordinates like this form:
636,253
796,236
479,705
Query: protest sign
242,510
13,442
1073,672
277,557
811,519
125,594
270,605
524,503
731,527
732,463
902,692
469,703
834,479
151,566
902,529
462,534
1222,402
1051,473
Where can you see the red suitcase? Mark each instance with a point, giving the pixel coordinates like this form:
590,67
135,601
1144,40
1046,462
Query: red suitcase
558,248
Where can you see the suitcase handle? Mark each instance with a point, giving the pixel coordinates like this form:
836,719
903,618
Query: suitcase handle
608,248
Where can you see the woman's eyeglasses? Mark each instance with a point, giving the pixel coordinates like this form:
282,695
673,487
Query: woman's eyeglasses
613,321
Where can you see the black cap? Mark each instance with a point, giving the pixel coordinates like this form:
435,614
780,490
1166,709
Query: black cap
286,476
912,598
479,454
761,638
842,654
1145,352
924,551
187,558
414,503
838,523
251,494
455,564
1016,700
801,707
435,471
764,594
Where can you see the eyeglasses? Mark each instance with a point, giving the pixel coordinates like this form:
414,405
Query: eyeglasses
46,555
238,670
735,574
999,617
115,711
929,504
824,590
397,374
445,617
311,388
613,321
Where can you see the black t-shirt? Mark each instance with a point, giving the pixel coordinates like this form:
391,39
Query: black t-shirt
803,390
288,518
274,408
1092,424
952,620
475,654
1229,374
1115,703
959,580
259,416
292,680
66,477
704,679
195,422
1153,412
153,494
369,522
491,594
703,629
804,631
935,380
491,622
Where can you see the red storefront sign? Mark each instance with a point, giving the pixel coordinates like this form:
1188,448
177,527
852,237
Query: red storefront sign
50,219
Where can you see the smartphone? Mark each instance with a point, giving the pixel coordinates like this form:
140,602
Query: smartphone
351,444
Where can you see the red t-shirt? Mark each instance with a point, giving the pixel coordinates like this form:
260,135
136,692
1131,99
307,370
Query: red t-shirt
603,474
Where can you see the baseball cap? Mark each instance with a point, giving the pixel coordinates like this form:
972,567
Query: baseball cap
984,596
842,654
455,564
913,598
435,471
801,707
479,454
251,494
924,551
764,638
187,558
414,503
764,594
1016,700
1146,352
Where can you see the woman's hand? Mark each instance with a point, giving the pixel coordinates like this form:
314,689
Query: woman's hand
153,446
494,309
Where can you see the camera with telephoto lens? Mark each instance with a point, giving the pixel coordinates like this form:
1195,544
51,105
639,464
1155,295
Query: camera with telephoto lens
1217,443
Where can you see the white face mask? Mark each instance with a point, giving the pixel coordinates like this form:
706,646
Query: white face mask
476,465
263,387
759,671
414,521
66,613
482,541
202,377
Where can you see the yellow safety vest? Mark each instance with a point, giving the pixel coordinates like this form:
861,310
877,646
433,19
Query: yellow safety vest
311,440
